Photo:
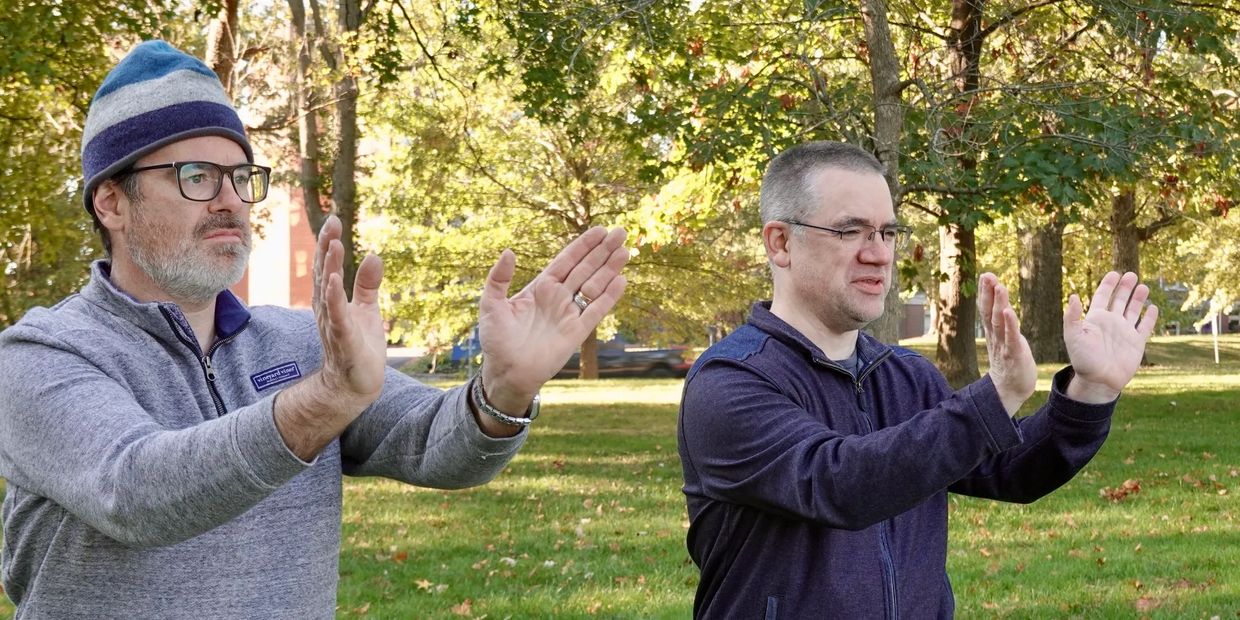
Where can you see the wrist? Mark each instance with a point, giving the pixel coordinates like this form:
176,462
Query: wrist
1089,392
508,398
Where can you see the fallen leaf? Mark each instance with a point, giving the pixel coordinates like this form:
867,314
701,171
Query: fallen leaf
423,584
1146,604
1120,493
594,607
363,610
400,556
464,609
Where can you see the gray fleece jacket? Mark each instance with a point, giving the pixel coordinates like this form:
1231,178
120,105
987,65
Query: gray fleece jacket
146,478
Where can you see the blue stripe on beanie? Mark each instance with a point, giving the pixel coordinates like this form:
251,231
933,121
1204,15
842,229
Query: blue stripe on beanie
155,96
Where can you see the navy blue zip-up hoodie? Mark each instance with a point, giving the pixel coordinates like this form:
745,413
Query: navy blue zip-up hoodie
816,493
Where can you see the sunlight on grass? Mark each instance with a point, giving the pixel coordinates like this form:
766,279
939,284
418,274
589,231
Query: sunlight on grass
588,521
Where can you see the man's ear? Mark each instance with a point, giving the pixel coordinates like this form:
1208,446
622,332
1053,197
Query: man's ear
775,237
111,205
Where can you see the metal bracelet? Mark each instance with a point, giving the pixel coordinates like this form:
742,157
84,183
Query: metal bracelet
480,399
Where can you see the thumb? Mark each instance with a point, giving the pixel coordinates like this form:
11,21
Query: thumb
500,278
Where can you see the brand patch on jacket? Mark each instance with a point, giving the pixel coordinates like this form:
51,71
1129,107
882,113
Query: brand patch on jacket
283,373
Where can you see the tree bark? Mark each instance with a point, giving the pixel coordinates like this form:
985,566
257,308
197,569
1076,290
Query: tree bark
1041,290
956,354
1125,236
956,318
344,181
307,119
587,367
222,44
888,125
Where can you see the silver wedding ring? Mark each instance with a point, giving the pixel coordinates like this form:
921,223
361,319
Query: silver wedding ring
581,301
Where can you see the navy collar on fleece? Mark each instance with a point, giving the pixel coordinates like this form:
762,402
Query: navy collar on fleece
761,317
230,313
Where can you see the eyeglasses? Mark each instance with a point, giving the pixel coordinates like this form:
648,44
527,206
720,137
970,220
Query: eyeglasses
893,237
201,180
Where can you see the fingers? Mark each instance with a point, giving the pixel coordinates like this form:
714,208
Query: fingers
997,319
985,298
1106,288
603,304
367,280
499,278
596,261
1073,313
601,278
330,230
1136,304
1146,326
1123,292
562,265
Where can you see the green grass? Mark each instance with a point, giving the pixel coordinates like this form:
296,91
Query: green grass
589,522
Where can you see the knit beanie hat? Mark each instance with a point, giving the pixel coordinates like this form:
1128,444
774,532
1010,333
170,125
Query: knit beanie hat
155,96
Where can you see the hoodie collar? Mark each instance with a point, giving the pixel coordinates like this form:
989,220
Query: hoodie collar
869,349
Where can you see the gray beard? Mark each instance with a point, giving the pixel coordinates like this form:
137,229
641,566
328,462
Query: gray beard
187,271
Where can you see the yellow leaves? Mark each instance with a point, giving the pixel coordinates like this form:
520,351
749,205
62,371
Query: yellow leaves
466,608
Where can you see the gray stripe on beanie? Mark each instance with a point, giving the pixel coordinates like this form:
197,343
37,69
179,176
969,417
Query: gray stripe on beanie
149,95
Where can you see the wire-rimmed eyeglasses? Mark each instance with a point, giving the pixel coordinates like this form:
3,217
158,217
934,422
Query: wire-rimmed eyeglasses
893,236
201,180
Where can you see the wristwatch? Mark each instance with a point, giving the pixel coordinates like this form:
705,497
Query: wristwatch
480,399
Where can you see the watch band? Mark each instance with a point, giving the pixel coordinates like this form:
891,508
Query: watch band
480,399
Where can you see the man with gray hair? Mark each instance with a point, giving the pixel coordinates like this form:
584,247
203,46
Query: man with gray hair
817,460
172,453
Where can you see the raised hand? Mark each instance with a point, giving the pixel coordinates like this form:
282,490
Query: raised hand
354,346
1012,368
528,337
1106,347
312,413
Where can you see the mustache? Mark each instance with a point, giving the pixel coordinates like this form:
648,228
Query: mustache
222,221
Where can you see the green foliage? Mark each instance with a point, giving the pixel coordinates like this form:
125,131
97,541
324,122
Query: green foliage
53,58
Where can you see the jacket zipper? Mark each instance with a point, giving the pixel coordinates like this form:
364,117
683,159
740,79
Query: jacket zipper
884,544
204,360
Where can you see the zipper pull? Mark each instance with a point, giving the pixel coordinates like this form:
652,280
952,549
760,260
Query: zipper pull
858,384
206,363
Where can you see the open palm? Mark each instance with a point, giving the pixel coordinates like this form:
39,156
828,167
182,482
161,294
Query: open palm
528,337
1106,345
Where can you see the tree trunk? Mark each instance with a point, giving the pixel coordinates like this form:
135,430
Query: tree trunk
587,367
956,319
1041,290
307,119
956,354
222,44
344,181
1125,237
888,125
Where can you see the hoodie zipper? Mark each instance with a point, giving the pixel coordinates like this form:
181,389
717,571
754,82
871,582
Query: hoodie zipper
891,594
204,359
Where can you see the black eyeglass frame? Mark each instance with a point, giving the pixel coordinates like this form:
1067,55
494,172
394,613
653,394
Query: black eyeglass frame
903,233
219,181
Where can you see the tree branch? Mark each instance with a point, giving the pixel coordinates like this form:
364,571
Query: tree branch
1012,15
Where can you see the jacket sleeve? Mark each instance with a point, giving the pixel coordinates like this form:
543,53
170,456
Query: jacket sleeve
72,434
424,436
1059,440
748,442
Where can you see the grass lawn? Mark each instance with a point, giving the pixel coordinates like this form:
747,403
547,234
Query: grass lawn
589,521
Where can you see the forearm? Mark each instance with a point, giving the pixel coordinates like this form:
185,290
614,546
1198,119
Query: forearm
310,415
425,436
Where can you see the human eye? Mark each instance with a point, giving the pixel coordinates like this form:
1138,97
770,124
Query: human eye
850,234
198,174
890,234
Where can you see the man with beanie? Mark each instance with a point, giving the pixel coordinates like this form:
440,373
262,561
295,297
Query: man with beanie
170,452
817,460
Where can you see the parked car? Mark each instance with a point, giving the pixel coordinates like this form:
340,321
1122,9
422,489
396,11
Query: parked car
620,361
